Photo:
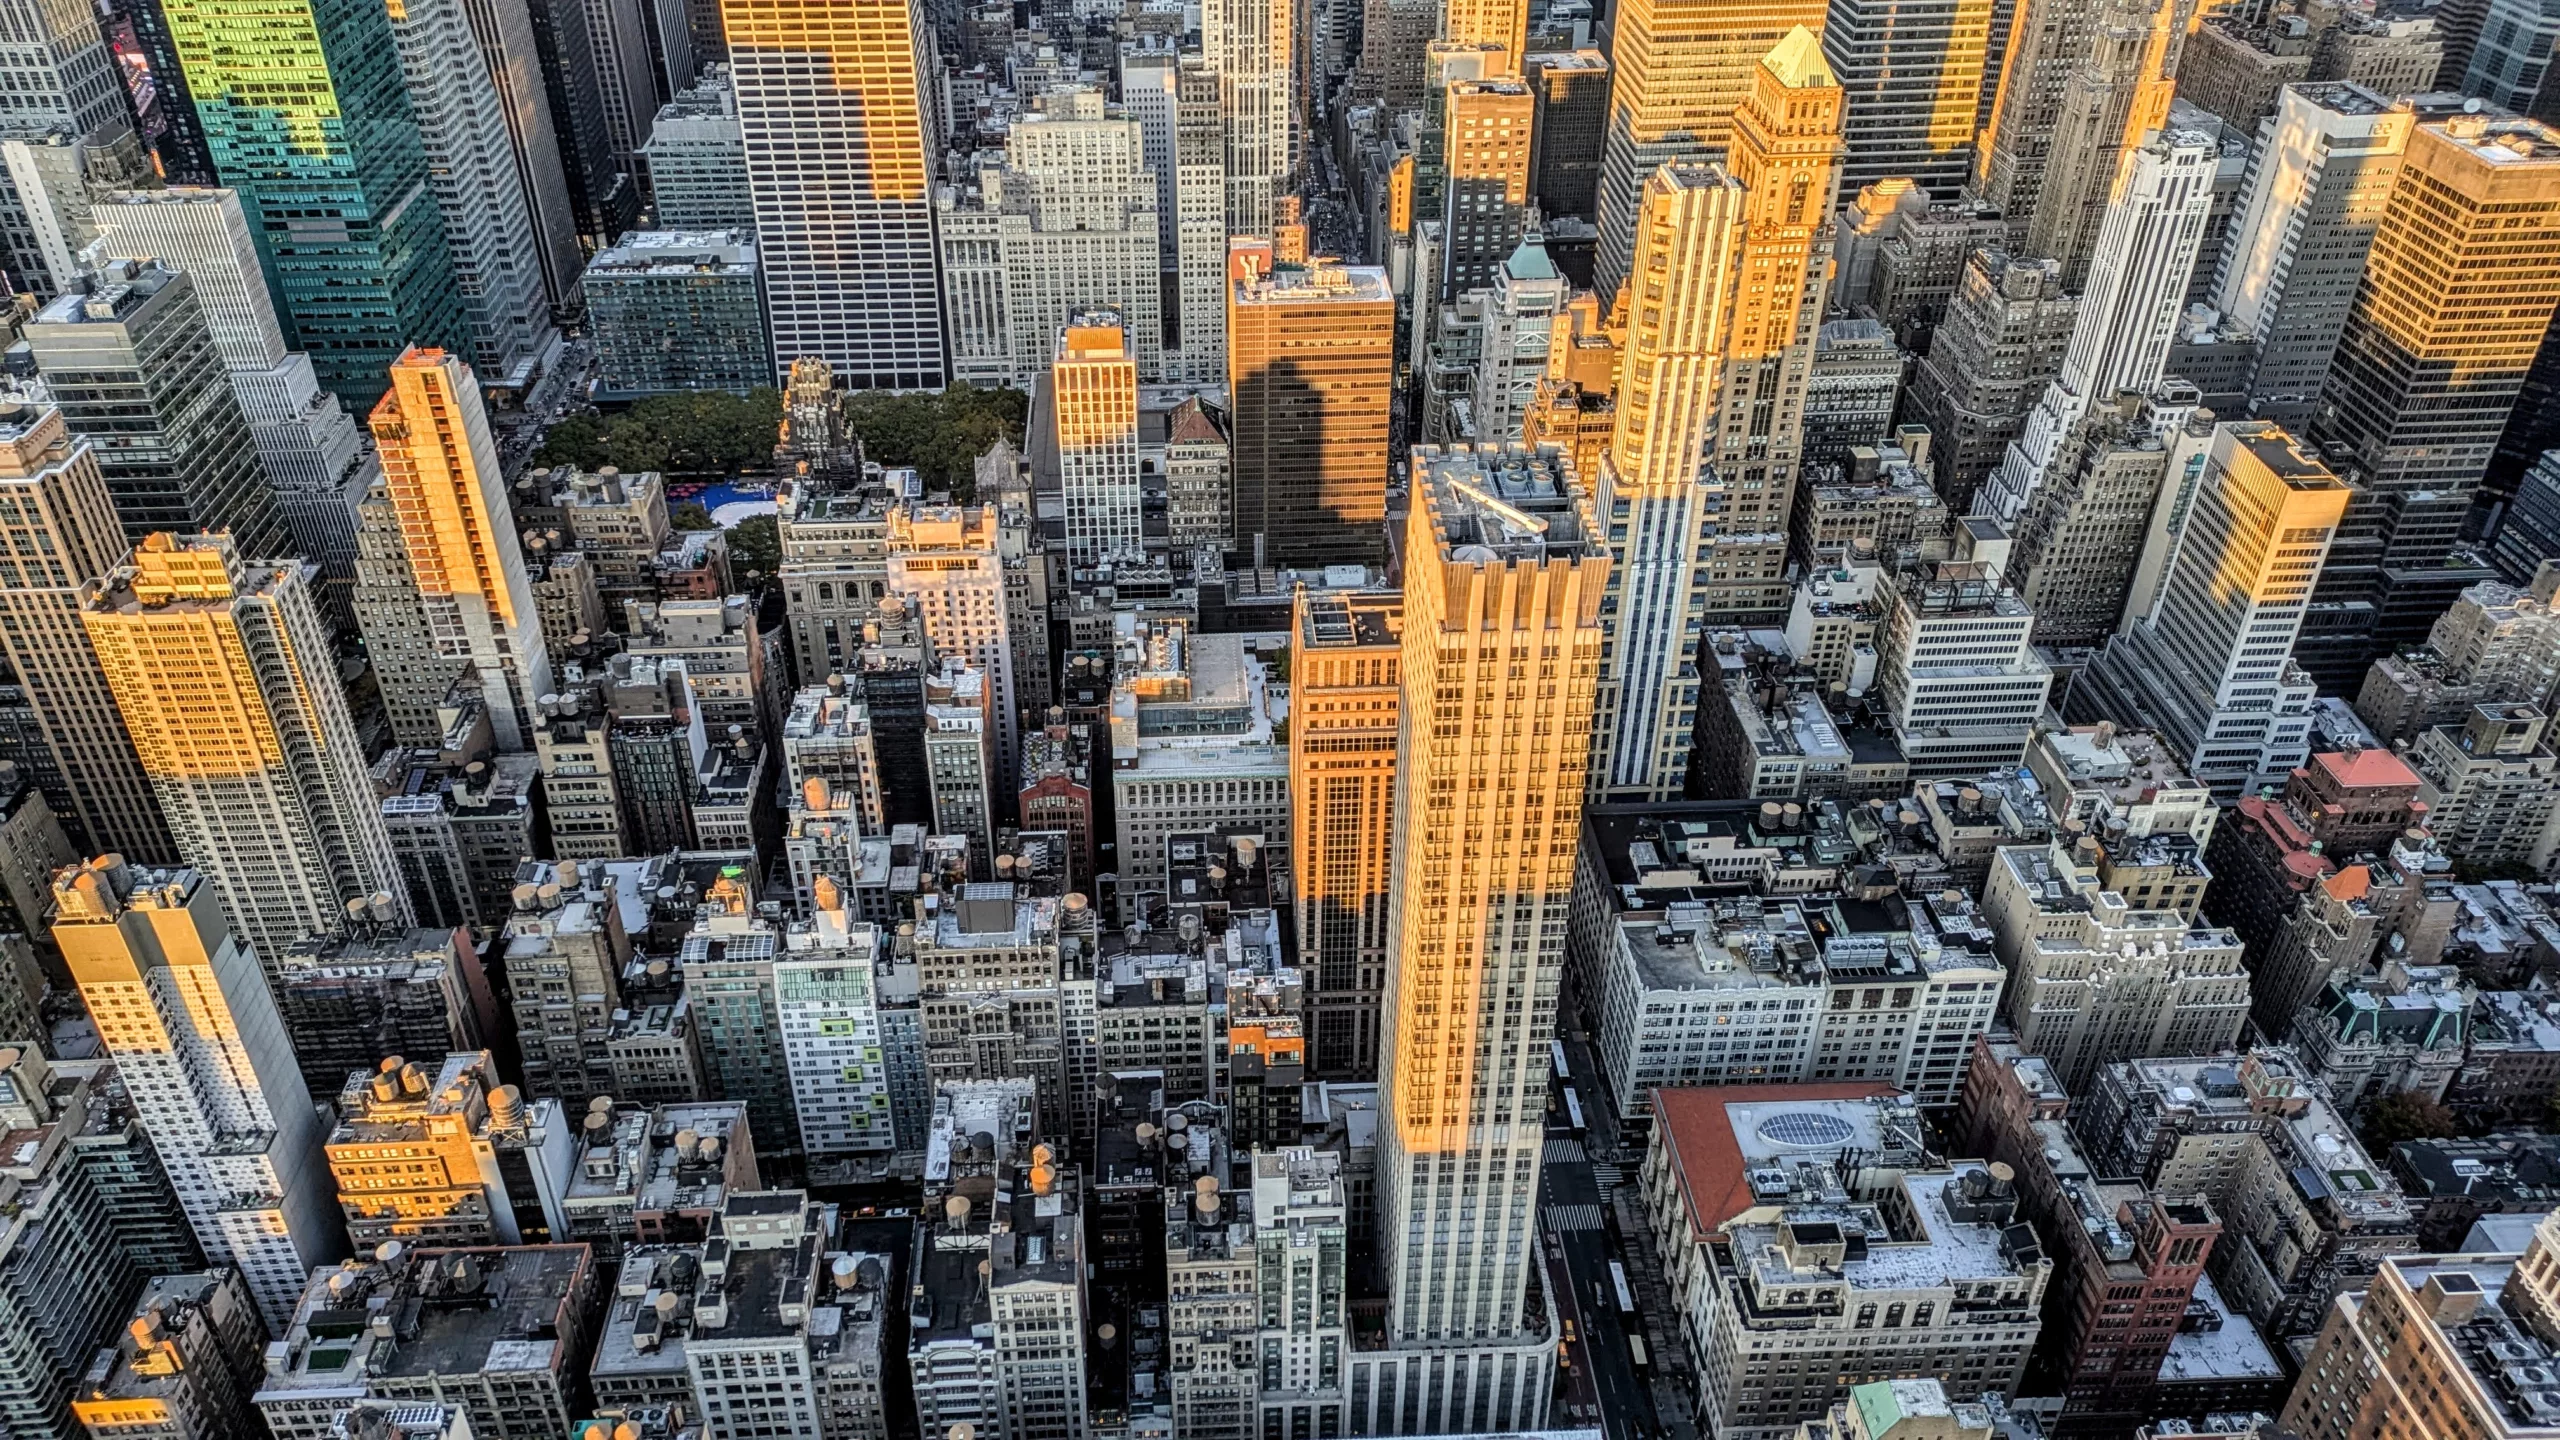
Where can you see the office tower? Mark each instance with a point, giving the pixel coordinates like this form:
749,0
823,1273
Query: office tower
2457,298
68,127
1702,467
698,161
1901,255
1998,351
135,361
1394,35
849,252
1310,371
1683,67
1504,566
1066,223
500,267
440,466
1249,45
67,1277
1956,675
1093,387
1342,752
182,1006
728,961
310,446
2080,535
624,74
1569,124
825,992
1198,259
2436,1317
181,1367
1485,155
307,116
2129,312
2081,85
1150,71
2510,66
947,566
1197,750
413,680
1852,393
1500,24
2206,664
604,199
60,524
46,181
415,1157
673,311
1521,311
1912,78
2314,197
511,47
348,1001
266,790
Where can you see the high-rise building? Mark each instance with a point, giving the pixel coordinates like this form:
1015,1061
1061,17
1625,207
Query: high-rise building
2458,295
948,566
313,452
134,366
2137,287
440,465
1199,255
1485,190
1912,77
415,1153
1956,675
1504,566
1999,349
182,1005
2312,201
603,197
1064,224
2080,535
1701,471
1251,46
673,312
827,996
66,1273
307,116
2206,663
1683,67
623,74
1344,687
1093,396
698,160
1569,124
68,128
2080,85
1310,369
2474,1326
500,267
510,40
62,537
229,686
848,250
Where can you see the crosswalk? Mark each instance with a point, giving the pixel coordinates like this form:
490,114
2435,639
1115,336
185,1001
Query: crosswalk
1573,1217
1608,1175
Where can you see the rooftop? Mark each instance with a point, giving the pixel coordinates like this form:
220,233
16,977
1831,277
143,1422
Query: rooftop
1494,503
1731,1142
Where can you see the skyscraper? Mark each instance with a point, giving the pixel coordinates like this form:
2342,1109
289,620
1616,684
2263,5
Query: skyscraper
307,117
312,451
1310,370
134,365
2309,208
1504,568
2081,84
2129,312
67,122
229,686
498,264
2205,665
59,523
1249,44
2457,297
1988,365
441,466
1485,155
1912,76
848,247
183,1008
602,197
1702,466
1199,258
1093,389
1682,68
1344,701
510,43
948,565
1501,23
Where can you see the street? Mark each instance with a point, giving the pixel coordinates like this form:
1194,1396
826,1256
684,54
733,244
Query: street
1578,1251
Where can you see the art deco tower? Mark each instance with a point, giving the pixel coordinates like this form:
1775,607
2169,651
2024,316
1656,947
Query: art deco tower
1730,269
840,159
440,464
1683,68
228,683
1504,575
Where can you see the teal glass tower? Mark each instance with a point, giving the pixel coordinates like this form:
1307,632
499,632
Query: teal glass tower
306,115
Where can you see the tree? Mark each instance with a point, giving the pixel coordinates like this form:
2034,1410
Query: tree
2406,1116
755,543
693,433
940,435
690,515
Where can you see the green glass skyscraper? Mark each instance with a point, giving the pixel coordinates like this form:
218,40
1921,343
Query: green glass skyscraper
306,115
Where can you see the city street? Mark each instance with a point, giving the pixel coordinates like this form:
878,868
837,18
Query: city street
1579,1249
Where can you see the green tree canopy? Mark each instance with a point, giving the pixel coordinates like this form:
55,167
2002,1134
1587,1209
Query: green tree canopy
941,435
696,433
